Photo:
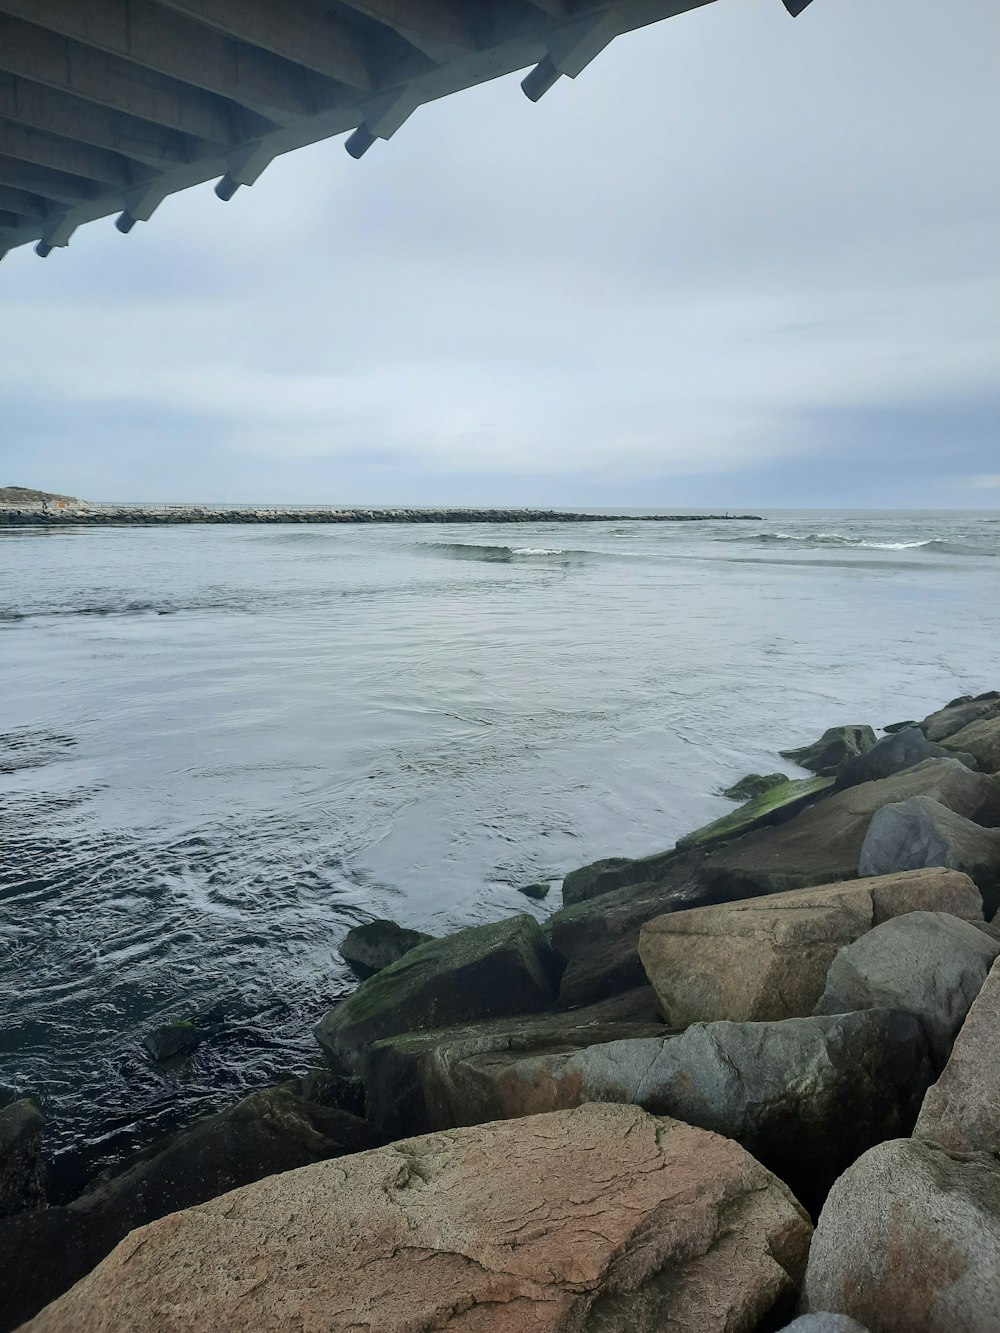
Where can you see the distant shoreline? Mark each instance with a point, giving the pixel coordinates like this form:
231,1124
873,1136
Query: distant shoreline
167,515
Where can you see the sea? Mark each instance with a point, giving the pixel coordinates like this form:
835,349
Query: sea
223,746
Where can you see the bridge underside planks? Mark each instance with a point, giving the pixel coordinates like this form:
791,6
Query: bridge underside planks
109,106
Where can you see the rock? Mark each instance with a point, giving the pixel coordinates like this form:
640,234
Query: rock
603,1217
980,739
921,832
831,752
171,1040
909,1239
341,1092
411,1084
271,1131
598,940
824,1322
892,754
893,727
369,948
927,963
823,844
961,1112
948,721
22,1171
488,971
773,807
805,1096
754,784
615,872
535,891
767,958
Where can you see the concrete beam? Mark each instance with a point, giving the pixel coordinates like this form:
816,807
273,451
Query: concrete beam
51,112
29,206
442,29
111,81
12,220
48,150
50,185
299,31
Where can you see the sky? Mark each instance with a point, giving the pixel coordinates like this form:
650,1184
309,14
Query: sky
741,261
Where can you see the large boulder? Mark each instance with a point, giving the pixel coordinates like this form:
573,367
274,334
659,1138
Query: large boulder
613,873
806,1096
767,958
268,1132
980,739
909,1239
772,807
22,1171
416,1081
920,832
754,785
370,947
823,844
961,1111
827,756
950,720
927,963
893,754
604,1217
483,972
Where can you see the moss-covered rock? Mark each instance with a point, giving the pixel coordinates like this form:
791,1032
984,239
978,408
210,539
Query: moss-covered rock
771,807
368,948
754,785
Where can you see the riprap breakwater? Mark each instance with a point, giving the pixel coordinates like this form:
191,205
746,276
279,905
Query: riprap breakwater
161,515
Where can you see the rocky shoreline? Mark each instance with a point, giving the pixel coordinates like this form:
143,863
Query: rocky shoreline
750,1077
77,514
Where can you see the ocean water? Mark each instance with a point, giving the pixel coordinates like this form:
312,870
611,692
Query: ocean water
221,747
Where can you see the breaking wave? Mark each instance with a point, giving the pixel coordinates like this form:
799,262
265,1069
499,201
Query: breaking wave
843,541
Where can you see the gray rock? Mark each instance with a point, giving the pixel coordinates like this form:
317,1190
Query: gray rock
269,1132
824,1322
754,784
827,756
613,873
909,1240
173,1039
919,832
490,971
893,754
893,727
927,963
22,1171
980,739
958,714
823,843
535,891
370,947
340,1092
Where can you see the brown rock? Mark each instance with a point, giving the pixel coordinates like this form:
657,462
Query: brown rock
948,721
604,1217
767,958
909,1242
980,739
961,1111
822,845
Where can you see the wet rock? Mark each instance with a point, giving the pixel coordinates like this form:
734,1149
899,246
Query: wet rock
893,754
921,832
341,1092
369,948
827,756
535,891
420,1081
22,1171
951,719
488,971
961,1112
753,785
823,844
909,1239
767,958
269,1132
173,1039
613,873
928,964
600,1217
980,739
893,727
773,807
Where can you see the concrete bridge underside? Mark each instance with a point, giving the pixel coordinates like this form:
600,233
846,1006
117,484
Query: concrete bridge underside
108,106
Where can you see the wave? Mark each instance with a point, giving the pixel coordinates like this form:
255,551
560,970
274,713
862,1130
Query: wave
808,541
505,554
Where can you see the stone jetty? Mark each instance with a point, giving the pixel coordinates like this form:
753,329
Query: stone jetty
63,512
740,1082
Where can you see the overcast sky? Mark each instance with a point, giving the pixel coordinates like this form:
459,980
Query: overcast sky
740,261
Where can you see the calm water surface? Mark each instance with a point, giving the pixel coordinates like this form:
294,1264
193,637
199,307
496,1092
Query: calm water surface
220,747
